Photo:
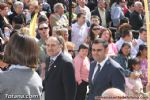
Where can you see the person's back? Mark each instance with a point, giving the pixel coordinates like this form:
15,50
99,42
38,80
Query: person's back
18,83
136,18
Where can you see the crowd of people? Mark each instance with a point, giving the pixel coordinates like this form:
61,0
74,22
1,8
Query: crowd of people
99,54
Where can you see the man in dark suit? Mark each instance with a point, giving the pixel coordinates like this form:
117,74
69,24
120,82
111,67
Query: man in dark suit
136,18
59,83
102,13
104,71
18,11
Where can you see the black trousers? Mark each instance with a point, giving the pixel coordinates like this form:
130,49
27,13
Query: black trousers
81,91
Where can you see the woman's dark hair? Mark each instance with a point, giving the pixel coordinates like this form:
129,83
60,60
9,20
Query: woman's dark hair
118,1
141,48
83,46
124,20
21,49
132,62
123,45
91,34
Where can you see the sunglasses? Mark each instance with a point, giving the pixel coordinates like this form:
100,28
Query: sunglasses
96,28
70,50
43,28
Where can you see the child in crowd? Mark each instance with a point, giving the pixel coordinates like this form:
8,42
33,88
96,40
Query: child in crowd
134,87
82,64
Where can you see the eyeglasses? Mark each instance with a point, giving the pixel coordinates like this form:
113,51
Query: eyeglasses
96,28
70,50
43,28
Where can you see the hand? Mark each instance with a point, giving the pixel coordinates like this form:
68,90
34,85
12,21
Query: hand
135,91
69,27
3,64
6,29
148,87
6,39
134,43
134,76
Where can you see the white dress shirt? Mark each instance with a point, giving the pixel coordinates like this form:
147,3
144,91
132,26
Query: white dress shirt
119,44
96,67
79,34
139,42
103,17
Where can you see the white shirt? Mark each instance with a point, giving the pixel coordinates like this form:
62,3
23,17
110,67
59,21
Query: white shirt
139,42
79,34
55,57
101,64
18,67
103,17
119,44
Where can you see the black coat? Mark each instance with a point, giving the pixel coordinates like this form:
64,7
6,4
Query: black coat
108,17
136,21
22,18
60,81
111,75
2,23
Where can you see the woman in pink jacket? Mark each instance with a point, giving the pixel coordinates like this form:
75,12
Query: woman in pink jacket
82,64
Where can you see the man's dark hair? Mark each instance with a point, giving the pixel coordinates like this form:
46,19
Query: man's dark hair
125,33
142,29
79,15
102,41
18,19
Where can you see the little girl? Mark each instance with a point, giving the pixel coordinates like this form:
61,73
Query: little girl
134,87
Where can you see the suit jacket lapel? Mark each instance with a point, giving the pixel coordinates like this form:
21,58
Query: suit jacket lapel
98,13
53,66
92,67
104,68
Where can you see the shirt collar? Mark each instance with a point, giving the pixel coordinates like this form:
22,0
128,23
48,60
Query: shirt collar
55,57
142,41
18,67
101,10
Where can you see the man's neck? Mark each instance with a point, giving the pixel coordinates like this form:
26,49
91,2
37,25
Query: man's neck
80,24
100,61
82,5
142,40
58,14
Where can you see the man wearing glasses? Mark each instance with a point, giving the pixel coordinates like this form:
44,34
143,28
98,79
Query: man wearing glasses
104,72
